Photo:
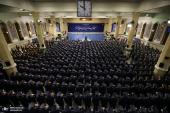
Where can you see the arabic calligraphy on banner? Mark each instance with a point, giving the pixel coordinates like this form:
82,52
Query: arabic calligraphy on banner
85,27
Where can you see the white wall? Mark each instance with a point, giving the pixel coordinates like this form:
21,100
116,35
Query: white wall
14,17
161,17
9,17
145,20
156,18
18,17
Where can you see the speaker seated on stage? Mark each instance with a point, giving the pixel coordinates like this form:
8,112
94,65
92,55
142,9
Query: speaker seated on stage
85,38
112,36
58,37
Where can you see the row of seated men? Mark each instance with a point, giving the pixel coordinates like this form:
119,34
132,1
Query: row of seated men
70,60
87,100
31,49
139,56
28,96
83,77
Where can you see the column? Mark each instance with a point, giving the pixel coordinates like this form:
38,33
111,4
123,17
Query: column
109,29
39,30
132,32
7,60
64,27
52,29
118,26
163,63
61,24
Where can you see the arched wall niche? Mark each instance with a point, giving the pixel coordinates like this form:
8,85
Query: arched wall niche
147,30
142,30
19,31
127,29
160,32
122,26
43,27
12,31
165,35
47,25
29,29
153,31
5,31
136,28
32,29
139,28
24,30
35,27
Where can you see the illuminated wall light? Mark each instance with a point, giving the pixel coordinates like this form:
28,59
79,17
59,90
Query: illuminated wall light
30,14
169,21
39,21
30,32
86,19
129,25
83,19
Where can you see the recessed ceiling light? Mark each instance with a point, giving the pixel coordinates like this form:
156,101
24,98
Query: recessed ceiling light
22,9
147,15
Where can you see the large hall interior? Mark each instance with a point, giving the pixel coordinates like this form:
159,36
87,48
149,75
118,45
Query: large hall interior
84,56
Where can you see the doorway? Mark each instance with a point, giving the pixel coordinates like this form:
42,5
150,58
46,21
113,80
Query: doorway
19,31
154,28
136,29
35,28
5,32
29,30
165,36
143,30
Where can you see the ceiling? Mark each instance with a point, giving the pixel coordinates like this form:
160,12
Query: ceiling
6,8
99,7
92,0
164,9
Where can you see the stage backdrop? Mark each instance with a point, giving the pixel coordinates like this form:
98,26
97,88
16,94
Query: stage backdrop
88,31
